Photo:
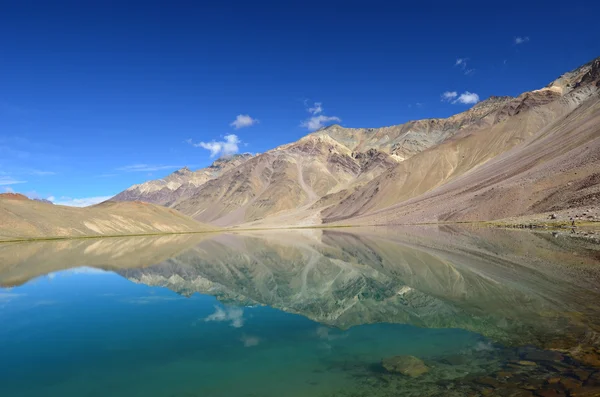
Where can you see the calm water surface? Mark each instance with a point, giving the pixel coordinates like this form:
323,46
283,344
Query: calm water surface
310,313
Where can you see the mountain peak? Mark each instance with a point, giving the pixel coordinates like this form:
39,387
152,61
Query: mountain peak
183,171
583,75
13,196
220,162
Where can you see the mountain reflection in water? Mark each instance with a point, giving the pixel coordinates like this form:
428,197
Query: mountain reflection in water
514,288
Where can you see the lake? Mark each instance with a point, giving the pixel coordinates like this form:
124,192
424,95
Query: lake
422,311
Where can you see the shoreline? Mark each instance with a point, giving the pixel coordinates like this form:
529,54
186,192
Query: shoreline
586,229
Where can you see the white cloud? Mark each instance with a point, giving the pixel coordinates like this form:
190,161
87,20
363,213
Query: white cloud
9,189
316,122
521,40
449,95
51,198
233,315
243,120
147,167
227,147
467,98
8,180
79,202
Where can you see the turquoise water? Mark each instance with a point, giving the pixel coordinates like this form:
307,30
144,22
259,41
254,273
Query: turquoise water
296,314
93,333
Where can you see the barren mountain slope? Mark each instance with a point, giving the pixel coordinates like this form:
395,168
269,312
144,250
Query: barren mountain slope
406,140
518,165
290,184
182,183
338,173
290,177
23,218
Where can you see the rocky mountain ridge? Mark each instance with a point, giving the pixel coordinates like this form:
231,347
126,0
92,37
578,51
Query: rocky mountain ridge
336,174
180,183
515,166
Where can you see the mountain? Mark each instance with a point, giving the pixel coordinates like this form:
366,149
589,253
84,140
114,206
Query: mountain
21,218
536,153
290,177
504,157
180,184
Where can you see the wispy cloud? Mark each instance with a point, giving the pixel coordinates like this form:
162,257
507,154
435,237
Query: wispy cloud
316,108
147,167
9,180
232,315
521,40
42,173
9,189
462,64
28,171
79,202
318,120
226,147
449,95
243,120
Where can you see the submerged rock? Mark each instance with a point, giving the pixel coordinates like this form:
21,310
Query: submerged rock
405,365
588,356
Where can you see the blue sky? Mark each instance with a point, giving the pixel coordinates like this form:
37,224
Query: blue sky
98,95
